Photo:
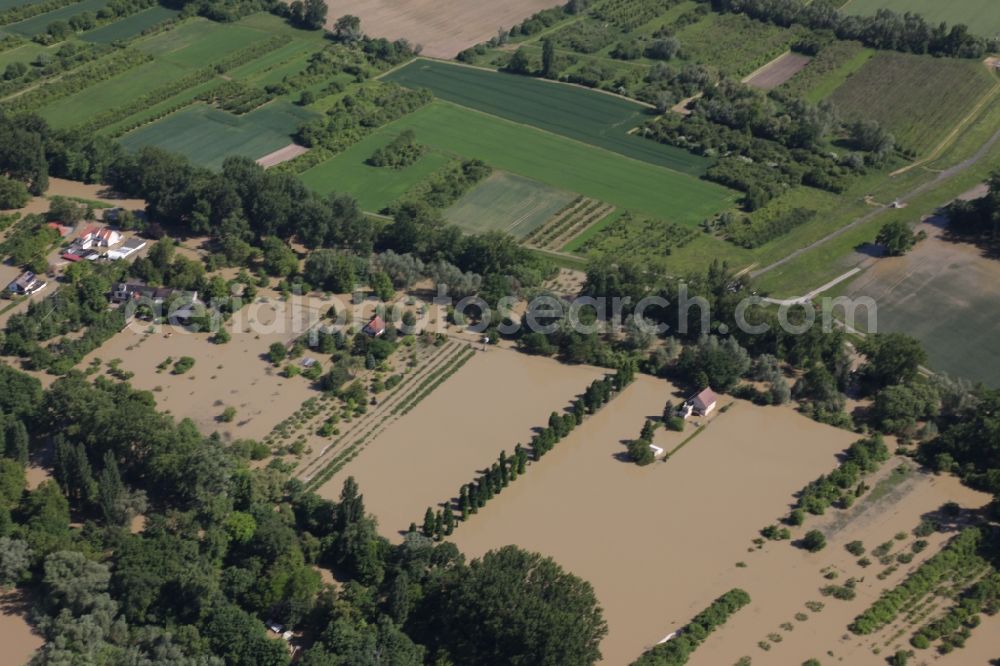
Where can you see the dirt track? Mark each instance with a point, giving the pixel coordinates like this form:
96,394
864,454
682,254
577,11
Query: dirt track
776,72
290,151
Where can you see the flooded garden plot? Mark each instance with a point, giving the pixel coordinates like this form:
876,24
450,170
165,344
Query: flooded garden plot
492,403
783,624
235,374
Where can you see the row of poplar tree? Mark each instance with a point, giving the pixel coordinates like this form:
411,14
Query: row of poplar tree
473,496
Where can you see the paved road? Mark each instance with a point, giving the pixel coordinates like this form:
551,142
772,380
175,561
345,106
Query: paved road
945,175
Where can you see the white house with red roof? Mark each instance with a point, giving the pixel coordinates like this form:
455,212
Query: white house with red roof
700,404
375,327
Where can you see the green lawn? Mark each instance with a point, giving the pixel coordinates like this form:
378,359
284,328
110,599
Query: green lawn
131,85
919,98
130,26
507,202
578,113
982,16
566,164
373,187
207,136
199,42
38,24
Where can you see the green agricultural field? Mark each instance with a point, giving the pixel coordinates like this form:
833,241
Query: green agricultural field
199,42
507,202
25,53
159,110
829,70
734,43
207,136
940,276
648,240
919,98
982,16
10,4
130,26
566,164
38,24
373,187
585,115
100,97
291,57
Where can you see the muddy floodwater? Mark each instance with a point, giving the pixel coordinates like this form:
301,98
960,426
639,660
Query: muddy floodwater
18,641
490,405
656,542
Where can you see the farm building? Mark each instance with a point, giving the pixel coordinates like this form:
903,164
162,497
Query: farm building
95,235
27,283
60,227
129,247
134,291
702,404
375,327
107,237
177,306
87,237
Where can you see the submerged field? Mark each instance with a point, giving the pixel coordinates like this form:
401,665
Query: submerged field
19,639
206,136
981,16
235,374
591,117
463,425
918,98
566,164
655,541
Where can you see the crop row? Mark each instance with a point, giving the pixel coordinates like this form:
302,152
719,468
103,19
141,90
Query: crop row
375,417
84,77
168,90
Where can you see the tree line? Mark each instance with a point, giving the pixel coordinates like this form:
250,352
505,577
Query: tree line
885,29
677,650
224,546
491,482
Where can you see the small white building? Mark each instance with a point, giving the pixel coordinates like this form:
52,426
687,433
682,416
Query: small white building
702,404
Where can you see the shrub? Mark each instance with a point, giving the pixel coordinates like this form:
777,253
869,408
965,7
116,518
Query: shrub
183,364
855,548
814,541
640,452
